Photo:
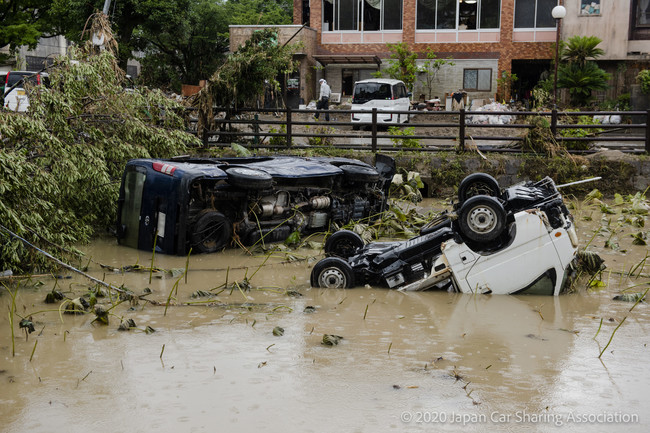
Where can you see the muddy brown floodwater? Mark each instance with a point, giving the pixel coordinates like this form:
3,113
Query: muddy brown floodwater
416,362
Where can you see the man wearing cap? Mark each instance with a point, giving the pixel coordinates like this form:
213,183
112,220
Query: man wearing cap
323,99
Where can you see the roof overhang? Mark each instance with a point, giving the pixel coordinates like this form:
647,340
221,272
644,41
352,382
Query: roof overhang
340,59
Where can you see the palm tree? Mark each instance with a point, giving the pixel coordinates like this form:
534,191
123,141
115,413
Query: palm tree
580,49
581,80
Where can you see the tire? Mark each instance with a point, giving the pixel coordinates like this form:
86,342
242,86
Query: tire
211,232
343,244
359,173
249,178
478,184
332,273
482,219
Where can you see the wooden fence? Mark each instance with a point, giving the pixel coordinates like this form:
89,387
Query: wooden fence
434,130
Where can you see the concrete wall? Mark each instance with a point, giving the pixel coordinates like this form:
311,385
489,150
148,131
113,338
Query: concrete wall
612,26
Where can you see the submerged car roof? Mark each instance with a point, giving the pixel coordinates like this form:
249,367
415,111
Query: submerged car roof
290,167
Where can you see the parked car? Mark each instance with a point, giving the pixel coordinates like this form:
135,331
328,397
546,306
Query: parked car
384,95
16,97
206,204
518,240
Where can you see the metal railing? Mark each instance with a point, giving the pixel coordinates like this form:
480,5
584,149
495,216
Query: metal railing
434,130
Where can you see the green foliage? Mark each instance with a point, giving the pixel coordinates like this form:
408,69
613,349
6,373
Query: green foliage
403,141
581,49
622,103
579,132
325,136
61,162
278,140
581,75
506,82
644,79
402,65
240,81
581,80
23,23
259,12
184,47
430,69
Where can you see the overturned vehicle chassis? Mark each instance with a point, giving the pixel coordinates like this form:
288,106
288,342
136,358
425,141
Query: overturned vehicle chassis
205,204
519,240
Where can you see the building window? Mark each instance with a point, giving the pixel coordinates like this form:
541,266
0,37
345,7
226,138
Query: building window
367,15
461,15
640,28
589,7
477,80
531,14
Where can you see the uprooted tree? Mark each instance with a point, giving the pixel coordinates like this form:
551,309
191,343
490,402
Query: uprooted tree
61,161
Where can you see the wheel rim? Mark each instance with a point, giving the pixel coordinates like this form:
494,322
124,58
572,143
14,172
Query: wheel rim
332,278
481,219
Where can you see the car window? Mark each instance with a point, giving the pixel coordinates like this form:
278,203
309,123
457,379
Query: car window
364,92
14,77
400,91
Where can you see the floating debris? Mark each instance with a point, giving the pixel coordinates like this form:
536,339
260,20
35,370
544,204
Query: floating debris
101,315
331,339
309,309
77,306
27,325
630,297
590,262
278,331
126,325
536,337
202,294
53,296
293,293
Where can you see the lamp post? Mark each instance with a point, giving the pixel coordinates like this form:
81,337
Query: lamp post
558,13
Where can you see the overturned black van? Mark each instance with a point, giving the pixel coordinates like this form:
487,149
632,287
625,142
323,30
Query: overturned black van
206,204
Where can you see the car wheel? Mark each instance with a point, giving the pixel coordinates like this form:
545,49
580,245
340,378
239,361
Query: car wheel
211,232
359,173
249,178
332,273
482,218
343,243
478,184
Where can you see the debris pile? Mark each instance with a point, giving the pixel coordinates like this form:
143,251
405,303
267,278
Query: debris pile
490,119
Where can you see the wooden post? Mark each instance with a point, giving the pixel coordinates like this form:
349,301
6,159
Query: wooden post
554,122
461,130
374,130
289,138
647,131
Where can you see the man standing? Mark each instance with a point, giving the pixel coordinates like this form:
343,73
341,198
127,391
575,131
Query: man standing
323,99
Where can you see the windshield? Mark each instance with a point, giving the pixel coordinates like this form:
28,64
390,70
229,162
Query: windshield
14,77
364,92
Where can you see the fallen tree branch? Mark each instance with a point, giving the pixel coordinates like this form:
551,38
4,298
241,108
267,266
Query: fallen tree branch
65,265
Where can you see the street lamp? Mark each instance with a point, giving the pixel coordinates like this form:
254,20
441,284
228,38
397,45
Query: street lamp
558,13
